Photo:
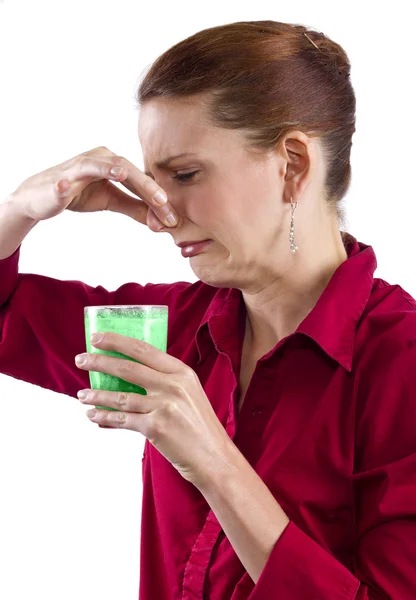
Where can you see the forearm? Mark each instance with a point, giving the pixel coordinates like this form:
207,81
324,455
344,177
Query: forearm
14,227
251,518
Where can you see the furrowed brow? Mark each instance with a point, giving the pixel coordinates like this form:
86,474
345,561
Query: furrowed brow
166,161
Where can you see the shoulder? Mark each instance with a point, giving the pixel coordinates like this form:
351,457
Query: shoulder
387,326
385,376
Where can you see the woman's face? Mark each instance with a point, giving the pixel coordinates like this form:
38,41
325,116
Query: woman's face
233,198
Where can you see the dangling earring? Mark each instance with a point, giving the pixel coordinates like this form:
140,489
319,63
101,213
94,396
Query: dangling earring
293,246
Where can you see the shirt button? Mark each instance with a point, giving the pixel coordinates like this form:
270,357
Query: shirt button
256,413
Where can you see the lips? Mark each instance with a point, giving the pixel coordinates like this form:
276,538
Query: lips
195,248
183,244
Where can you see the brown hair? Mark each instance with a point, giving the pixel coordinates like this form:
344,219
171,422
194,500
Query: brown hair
266,78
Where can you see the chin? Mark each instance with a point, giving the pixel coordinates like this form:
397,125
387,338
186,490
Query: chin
215,275
209,273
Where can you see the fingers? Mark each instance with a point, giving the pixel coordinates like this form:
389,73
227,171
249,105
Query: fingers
147,189
122,203
100,163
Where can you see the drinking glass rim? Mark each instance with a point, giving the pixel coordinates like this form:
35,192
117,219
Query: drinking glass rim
145,306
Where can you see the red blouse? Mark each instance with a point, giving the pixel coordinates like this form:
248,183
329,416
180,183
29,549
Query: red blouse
328,423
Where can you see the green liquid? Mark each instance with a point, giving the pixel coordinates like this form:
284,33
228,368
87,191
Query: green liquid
147,323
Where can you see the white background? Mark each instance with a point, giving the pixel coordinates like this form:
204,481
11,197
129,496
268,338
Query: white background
71,492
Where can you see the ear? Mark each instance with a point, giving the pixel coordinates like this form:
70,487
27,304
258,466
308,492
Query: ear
300,155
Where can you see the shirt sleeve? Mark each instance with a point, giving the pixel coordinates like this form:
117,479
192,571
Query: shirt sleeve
384,484
42,323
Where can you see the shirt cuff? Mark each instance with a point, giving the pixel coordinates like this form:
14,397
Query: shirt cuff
299,568
8,275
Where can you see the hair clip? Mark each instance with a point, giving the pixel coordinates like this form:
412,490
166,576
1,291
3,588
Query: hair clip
312,42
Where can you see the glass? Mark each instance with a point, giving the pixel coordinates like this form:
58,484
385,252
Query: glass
146,322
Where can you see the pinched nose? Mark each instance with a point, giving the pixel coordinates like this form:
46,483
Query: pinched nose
155,225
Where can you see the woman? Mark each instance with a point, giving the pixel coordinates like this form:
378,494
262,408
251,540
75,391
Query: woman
281,461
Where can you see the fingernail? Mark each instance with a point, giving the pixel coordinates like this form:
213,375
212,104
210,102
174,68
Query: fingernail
171,218
96,337
80,359
116,171
160,198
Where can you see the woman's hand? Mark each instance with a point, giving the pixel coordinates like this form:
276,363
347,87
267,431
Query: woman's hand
175,415
83,184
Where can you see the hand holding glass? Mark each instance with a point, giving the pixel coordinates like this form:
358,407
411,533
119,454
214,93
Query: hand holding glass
146,322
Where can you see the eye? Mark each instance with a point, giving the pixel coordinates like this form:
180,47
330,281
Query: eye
185,176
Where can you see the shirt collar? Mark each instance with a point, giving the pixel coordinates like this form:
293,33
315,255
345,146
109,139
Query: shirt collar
331,323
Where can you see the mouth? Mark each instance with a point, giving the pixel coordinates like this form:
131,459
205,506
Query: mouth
183,244
195,248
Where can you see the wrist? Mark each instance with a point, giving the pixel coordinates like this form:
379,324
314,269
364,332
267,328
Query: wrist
227,465
16,208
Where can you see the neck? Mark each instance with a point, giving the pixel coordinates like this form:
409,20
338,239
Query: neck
276,308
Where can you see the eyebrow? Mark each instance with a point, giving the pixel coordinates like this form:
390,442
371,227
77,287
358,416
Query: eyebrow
166,161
